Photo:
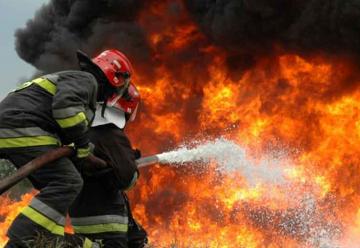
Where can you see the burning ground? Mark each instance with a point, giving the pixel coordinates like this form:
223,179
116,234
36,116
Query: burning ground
278,78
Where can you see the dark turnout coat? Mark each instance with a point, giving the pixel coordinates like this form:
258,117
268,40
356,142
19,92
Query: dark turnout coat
53,108
101,211
113,146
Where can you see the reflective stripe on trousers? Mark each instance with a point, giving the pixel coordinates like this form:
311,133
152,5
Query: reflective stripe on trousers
58,185
100,224
45,216
25,137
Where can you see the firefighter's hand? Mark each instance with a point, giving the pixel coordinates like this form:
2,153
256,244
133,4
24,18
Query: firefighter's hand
137,153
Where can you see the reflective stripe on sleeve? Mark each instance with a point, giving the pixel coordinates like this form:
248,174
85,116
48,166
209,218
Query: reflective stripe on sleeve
82,152
72,121
67,112
43,221
48,211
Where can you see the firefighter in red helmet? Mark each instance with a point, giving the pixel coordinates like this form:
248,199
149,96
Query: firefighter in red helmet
47,112
101,212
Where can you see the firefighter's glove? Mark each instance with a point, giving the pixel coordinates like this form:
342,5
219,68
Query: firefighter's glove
84,151
137,153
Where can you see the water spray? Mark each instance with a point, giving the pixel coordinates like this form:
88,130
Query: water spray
228,156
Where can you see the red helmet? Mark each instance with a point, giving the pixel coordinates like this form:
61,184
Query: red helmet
116,67
128,102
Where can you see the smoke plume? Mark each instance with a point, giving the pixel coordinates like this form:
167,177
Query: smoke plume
246,29
257,26
59,28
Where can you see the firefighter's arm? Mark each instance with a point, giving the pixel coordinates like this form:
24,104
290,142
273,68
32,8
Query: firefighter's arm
121,158
71,109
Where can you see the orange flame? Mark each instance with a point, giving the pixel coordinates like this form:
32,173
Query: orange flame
9,209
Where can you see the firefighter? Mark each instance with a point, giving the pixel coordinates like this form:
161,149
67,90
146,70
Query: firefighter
45,113
101,212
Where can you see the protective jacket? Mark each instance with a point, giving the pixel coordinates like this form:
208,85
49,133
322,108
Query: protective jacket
101,211
113,146
45,111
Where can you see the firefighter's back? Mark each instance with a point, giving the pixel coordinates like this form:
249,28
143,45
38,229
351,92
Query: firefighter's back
32,102
27,107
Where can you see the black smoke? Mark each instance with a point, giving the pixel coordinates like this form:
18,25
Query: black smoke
302,26
61,27
246,29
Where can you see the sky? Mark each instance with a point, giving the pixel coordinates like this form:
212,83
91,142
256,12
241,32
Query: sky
13,15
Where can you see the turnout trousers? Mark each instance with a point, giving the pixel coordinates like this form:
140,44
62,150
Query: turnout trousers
104,216
58,183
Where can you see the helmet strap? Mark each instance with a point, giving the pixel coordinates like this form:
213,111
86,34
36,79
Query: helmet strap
103,108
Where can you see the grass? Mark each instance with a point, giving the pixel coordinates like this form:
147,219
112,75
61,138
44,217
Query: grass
42,241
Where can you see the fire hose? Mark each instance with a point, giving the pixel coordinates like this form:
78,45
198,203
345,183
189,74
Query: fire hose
55,154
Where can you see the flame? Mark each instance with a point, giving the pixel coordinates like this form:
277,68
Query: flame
305,108
9,209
